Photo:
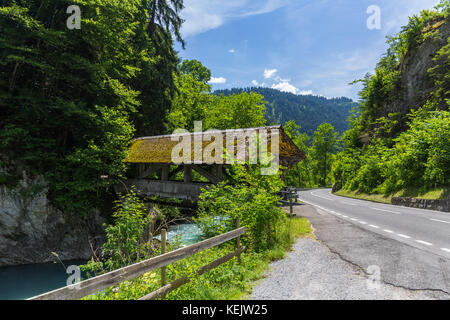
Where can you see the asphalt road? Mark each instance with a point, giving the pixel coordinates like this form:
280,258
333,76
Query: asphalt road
426,230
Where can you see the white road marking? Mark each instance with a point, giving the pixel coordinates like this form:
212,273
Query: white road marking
345,216
315,195
376,227
395,212
362,222
353,219
445,249
448,222
404,236
424,242
388,231
348,203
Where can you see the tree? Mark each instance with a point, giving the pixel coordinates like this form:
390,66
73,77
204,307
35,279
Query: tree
324,145
301,175
70,100
189,104
245,110
164,19
196,69
194,102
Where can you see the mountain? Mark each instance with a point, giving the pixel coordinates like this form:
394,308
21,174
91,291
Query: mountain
306,110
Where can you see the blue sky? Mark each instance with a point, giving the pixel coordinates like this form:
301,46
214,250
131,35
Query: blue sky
300,46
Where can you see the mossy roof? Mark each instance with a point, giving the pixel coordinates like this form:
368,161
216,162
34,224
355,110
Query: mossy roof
158,149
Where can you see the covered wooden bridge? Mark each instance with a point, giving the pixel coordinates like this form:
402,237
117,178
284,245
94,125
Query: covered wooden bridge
164,166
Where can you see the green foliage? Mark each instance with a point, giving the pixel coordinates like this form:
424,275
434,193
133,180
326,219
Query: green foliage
245,110
70,100
402,151
229,281
253,198
322,151
196,69
439,73
385,87
194,102
189,103
419,157
315,170
127,239
301,175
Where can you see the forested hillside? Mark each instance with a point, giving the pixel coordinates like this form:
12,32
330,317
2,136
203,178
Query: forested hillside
72,99
400,141
308,111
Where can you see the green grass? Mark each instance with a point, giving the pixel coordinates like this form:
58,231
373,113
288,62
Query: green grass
433,194
230,281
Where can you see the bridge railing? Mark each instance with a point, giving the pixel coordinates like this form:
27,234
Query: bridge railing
104,281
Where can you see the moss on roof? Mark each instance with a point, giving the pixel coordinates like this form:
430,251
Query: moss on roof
158,149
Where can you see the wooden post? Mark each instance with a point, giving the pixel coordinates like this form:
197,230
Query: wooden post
290,203
150,231
165,173
187,173
163,250
219,172
238,241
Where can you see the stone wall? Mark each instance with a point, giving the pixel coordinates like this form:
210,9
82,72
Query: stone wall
439,205
31,229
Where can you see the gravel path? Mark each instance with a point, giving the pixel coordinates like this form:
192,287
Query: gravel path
312,272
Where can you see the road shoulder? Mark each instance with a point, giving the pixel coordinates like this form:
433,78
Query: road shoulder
401,265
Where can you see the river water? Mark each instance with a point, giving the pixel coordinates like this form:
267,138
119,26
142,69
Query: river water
25,281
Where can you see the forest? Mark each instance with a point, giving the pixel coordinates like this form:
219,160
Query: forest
71,101
308,111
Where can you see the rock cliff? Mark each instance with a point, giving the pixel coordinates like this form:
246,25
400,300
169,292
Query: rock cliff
31,229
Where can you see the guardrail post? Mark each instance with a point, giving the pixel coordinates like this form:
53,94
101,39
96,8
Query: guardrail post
238,241
290,203
163,250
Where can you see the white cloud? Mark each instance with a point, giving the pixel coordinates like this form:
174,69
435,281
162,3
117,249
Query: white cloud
306,93
232,51
255,83
204,15
269,6
269,73
285,87
220,80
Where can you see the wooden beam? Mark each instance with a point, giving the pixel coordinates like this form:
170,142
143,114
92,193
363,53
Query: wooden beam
175,171
151,169
181,281
212,178
115,277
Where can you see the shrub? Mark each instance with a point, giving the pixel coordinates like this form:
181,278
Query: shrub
253,198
